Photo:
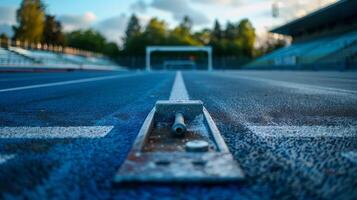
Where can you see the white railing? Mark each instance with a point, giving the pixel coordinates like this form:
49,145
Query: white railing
47,47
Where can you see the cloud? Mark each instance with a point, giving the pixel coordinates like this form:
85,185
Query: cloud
292,9
7,19
73,22
179,9
139,6
7,29
113,28
7,15
224,2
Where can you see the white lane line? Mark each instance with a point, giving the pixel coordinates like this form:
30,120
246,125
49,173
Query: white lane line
54,132
304,131
300,86
351,156
6,157
179,91
66,82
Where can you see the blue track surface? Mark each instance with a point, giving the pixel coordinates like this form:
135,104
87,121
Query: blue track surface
276,167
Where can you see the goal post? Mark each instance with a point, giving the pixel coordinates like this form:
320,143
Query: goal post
151,49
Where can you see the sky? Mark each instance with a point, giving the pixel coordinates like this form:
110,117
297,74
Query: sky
110,17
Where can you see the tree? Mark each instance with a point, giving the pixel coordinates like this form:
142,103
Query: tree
87,40
186,24
203,36
246,34
111,49
156,32
133,39
30,17
231,32
181,35
217,33
52,33
269,43
91,40
3,37
133,28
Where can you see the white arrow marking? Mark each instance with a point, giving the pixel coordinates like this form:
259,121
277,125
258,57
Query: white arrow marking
54,132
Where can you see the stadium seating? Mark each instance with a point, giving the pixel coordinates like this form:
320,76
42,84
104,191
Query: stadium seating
332,51
44,57
81,60
18,56
11,58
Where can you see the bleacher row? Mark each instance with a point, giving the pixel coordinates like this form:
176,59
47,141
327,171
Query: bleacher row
14,56
337,52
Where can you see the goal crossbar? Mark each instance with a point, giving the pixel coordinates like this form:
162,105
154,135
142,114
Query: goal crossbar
151,49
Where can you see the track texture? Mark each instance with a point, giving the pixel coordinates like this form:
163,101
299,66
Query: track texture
276,167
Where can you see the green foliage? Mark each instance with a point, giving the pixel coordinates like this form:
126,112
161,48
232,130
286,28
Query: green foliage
235,40
133,29
111,49
271,44
35,26
86,39
246,35
186,25
30,17
52,33
156,32
203,36
217,33
3,37
91,40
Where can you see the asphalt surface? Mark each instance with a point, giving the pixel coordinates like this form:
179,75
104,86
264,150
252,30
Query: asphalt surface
253,110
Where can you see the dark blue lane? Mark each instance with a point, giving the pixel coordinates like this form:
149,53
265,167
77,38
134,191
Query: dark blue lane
332,79
75,104
298,167
82,168
75,168
11,80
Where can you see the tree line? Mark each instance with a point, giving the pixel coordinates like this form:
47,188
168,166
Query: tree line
234,39
34,25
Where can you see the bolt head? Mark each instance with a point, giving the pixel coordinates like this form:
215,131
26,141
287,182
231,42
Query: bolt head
197,146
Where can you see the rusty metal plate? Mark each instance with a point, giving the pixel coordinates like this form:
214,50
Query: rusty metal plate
158,156
179,167
165,110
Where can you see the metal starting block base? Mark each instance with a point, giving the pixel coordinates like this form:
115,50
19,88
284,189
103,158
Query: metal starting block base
159,156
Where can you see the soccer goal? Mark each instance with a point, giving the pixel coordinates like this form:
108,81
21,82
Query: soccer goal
151,49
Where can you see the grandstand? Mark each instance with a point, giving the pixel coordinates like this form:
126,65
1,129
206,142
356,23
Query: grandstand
12,58
17,57
324,39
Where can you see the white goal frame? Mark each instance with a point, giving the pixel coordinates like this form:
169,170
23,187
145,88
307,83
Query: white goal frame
151,49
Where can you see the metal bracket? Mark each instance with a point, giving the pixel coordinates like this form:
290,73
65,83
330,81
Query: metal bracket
158,156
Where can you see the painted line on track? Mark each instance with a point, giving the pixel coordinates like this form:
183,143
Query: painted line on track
66,82
6,157
179,91
299,86
304,131
351,156
54,132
